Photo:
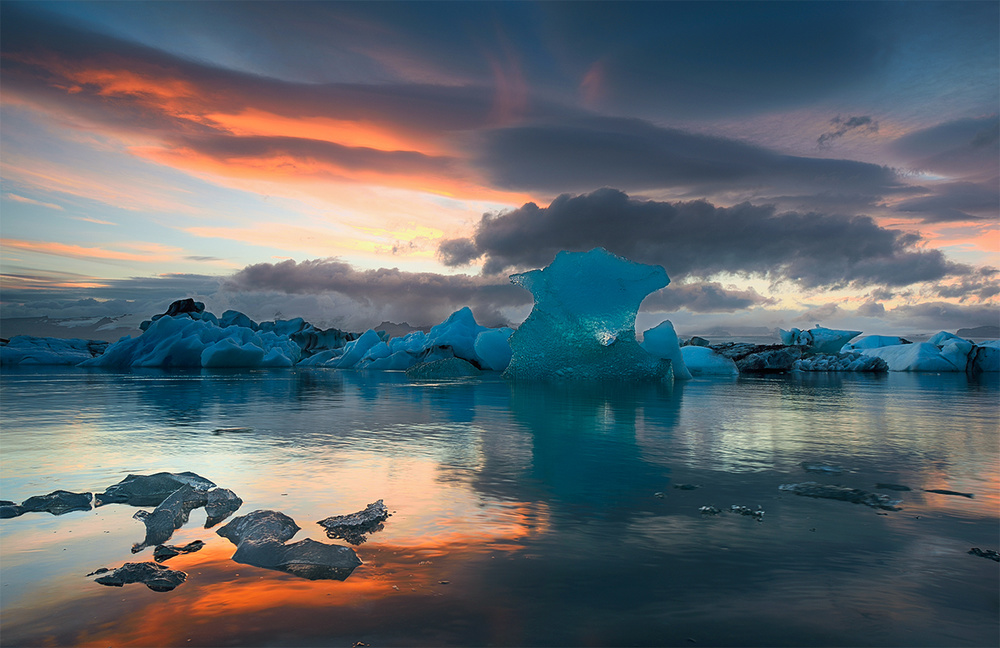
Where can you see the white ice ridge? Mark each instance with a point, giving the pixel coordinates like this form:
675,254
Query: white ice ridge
819,339
943,352
582,325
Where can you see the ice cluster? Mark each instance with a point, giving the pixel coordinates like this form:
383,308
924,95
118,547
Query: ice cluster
582,325
943,352
188,336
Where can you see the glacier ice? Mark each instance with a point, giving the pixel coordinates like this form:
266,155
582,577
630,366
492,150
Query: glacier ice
662,342
819,339
184,342
874,342
582,325
704,361
24,350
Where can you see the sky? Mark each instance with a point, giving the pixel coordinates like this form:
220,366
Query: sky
788,164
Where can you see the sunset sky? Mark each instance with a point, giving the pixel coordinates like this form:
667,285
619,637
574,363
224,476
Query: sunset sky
789,164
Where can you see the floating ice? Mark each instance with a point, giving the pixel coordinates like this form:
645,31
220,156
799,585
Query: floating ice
922,356
26,350
874,342
703,361
818,340
662,342
582,325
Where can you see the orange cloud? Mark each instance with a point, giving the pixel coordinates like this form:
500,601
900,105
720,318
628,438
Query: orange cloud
151,252
29,201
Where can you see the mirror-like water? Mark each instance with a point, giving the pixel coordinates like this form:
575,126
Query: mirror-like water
521,514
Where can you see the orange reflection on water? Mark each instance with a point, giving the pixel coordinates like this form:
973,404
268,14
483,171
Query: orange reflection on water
222,601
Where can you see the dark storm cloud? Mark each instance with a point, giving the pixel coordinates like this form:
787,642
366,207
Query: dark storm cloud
698,239
934,316
423,295
42,53
712,59
958,148
840,127
956,201
579,154
704,297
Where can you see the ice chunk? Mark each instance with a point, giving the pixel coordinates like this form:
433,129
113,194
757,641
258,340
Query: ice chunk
922,356
184,342
849,361
582,325
874,342
703,361
492,346
29,350
662,342
818,340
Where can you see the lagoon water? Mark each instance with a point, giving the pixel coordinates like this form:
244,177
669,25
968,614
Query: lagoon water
521,514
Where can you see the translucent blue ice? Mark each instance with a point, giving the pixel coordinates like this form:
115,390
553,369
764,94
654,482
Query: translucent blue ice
582,325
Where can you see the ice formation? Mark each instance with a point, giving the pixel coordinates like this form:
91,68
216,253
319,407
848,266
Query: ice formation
29,350
818,340
703,361
582,325
662,342
943,352
188,336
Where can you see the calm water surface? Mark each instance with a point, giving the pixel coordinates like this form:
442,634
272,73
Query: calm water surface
522,514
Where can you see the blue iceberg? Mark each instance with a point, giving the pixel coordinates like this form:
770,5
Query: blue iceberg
582,326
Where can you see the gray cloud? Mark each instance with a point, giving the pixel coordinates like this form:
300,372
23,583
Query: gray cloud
423,297
871,309
956,201
699,239
703,297
964,147
579,154
840,127
935,316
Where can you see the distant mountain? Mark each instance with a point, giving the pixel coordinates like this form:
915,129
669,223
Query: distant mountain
979,332
109,329
399,330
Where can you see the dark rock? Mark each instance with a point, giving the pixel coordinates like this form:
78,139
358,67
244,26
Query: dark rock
770,360
165,552
9,509
843,493
442,369
822,468
182,306
156,577
985,553
260,536
354,527
150,490
170,515
941,491
56,503
221,503
892,487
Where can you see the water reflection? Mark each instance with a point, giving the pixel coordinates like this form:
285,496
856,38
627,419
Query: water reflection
521,514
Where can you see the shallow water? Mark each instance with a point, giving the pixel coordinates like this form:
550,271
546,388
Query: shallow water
522,514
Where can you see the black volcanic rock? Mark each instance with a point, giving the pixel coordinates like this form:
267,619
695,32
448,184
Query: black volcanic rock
56,503
156,577
260,539
356,526
169,516
150,490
